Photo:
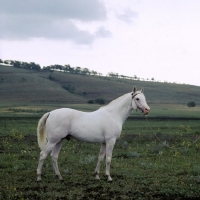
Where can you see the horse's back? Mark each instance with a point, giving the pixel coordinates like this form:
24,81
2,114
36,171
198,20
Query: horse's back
62,117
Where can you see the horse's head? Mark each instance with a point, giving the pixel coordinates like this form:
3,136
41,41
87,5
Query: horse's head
139,101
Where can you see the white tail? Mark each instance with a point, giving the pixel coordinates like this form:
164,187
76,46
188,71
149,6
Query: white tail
41,131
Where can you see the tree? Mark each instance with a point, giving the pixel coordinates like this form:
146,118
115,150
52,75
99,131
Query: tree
34,66
77,70
47,68
93,72
191,104
91,102
86,71
17,64
67,68
112,74
99,101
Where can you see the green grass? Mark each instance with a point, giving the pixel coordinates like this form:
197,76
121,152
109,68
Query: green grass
157,111
155,160
38,110
173,110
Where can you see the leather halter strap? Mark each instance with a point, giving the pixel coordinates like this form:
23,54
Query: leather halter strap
133,95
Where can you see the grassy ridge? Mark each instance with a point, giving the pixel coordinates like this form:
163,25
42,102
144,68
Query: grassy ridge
28,86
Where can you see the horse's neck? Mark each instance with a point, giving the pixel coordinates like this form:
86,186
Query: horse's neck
121,108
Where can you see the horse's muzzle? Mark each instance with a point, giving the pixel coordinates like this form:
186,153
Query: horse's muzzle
146,111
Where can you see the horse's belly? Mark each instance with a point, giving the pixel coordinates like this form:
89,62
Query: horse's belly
88,137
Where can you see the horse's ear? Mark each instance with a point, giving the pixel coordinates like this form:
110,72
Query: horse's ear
142,90
134,89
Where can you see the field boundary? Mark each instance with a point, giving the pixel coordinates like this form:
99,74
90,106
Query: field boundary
130,117
166,118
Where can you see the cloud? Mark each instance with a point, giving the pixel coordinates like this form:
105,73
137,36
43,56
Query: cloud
26,19
128,15
73,9
102,32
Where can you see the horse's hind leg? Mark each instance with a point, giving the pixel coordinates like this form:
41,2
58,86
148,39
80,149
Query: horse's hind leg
100,159
43,154
54,156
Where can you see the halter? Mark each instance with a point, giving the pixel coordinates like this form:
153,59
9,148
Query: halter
133,95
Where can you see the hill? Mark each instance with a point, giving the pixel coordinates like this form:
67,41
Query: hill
19,86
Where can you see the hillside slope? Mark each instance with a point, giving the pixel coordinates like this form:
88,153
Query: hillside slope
28,86
20,85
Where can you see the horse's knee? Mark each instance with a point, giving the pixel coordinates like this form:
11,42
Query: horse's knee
54,158
101,157
108,159
42,155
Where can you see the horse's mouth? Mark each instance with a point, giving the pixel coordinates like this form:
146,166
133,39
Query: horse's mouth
140,109
143,111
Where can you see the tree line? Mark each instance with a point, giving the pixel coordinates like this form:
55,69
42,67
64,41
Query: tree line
63,68
72,70
116,75
68,69
25,65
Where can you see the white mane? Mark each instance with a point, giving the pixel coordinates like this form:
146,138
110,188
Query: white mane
115,101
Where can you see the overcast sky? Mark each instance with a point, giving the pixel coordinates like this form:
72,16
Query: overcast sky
146,38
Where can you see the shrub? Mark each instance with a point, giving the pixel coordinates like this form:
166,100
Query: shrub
90,102
99,101
69,88
191,104
51,78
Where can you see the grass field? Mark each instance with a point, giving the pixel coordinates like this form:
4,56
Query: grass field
154,159
157,110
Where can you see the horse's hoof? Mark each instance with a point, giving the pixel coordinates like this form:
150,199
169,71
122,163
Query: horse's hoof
97,177
109,179
39,180
60,177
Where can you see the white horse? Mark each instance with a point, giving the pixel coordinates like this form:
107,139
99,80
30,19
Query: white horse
103,126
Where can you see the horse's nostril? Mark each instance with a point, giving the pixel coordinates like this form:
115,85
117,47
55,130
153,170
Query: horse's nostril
147,109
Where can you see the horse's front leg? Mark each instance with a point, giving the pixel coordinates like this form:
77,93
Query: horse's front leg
100,159
109,148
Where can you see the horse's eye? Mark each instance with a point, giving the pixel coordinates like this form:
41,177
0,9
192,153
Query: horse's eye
137,99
